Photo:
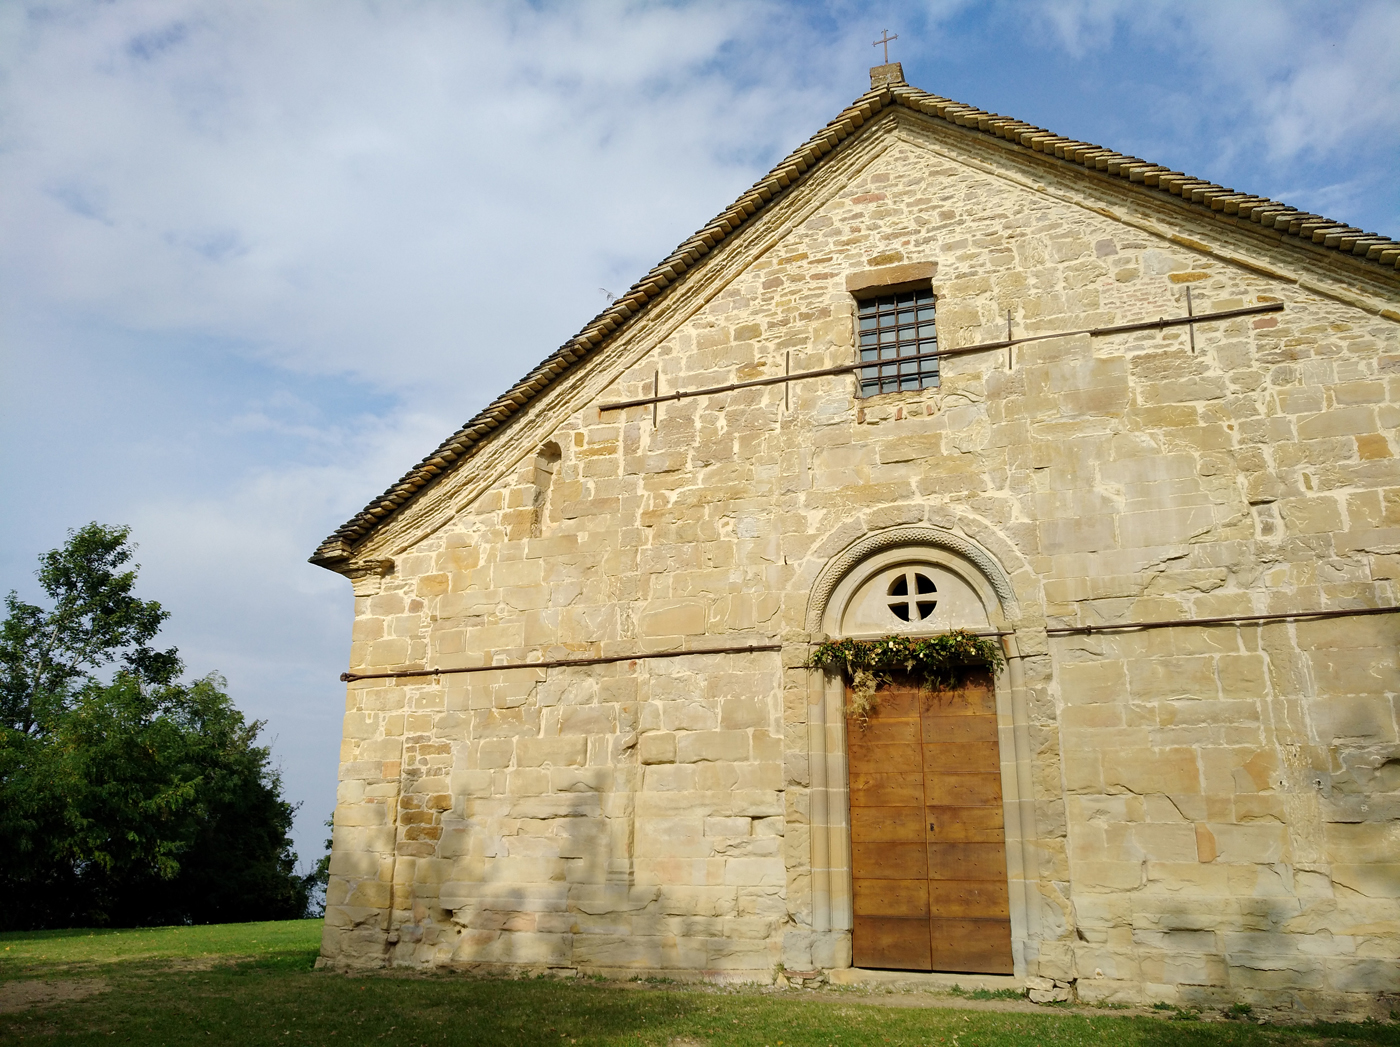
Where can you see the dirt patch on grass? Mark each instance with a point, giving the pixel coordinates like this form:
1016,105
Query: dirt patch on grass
36,992
939,1000
203,963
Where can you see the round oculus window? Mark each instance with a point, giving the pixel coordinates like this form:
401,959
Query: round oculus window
912,596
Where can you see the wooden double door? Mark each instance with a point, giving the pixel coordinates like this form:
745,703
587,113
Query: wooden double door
928,840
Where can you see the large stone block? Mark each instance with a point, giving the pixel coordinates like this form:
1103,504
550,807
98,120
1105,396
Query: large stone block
673,618
1377,879
588,719
1105,681
1255,843
740,713
1155,528
725,746
1167,770
1364,975
558,752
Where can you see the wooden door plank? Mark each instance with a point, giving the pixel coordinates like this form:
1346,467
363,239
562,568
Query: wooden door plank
960,730
898,703
978,946
902,944
899,756
967,861
967,701
969,924
963,824
903,898
878,731
891,861
960,757
889,843
963,790
887,790
973,899
871,824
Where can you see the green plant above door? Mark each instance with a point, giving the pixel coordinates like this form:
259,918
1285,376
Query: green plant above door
938,662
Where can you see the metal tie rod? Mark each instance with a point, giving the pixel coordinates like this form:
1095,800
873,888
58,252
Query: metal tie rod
982,347
560,663
1230,619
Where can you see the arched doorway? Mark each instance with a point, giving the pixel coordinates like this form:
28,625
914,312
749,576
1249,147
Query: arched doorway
921,792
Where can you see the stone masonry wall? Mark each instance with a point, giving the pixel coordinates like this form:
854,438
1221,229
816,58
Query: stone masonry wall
1216,808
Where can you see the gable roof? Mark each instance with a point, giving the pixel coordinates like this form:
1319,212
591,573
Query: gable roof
1295,226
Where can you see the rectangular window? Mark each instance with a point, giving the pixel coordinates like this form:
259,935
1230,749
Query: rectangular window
892,327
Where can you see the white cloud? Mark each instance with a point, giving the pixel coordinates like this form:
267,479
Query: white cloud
1297,100
258,256
1300,77
1081,26
320,182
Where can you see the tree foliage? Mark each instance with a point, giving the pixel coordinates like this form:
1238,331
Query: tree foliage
135,798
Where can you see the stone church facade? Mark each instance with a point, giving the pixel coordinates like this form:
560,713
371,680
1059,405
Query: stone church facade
581,732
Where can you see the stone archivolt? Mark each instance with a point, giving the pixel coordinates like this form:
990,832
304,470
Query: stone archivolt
1202,815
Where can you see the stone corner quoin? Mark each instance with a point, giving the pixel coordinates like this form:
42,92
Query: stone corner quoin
1197,813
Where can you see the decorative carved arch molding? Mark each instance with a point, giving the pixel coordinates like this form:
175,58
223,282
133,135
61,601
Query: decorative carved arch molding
933,539
975,593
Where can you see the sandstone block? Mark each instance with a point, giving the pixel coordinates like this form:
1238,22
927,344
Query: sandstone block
558,752
769,826
1271,972
1109,875
1346,421
1105,681
1164,527
739,713
657,747
368,894
587,719
1167,677
1363,975
727,746
1373,880
673,618
1316,515
580,779
728,826
347,816
1166,770
687,715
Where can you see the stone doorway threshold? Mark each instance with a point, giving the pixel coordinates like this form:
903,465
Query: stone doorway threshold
926,981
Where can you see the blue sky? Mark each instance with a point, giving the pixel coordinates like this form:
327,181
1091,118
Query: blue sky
257,257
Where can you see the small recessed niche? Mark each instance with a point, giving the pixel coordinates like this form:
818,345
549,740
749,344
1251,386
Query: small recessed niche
546,463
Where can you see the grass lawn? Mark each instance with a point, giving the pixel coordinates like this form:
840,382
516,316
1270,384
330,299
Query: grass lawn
253,984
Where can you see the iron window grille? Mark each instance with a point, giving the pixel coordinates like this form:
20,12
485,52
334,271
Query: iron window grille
894,326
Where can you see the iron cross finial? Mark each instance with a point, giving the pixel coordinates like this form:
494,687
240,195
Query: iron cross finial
885,39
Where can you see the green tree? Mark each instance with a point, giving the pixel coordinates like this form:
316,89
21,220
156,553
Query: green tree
95,620
320,877
134,799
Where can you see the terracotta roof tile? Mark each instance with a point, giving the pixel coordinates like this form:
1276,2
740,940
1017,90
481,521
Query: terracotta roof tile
1269,214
